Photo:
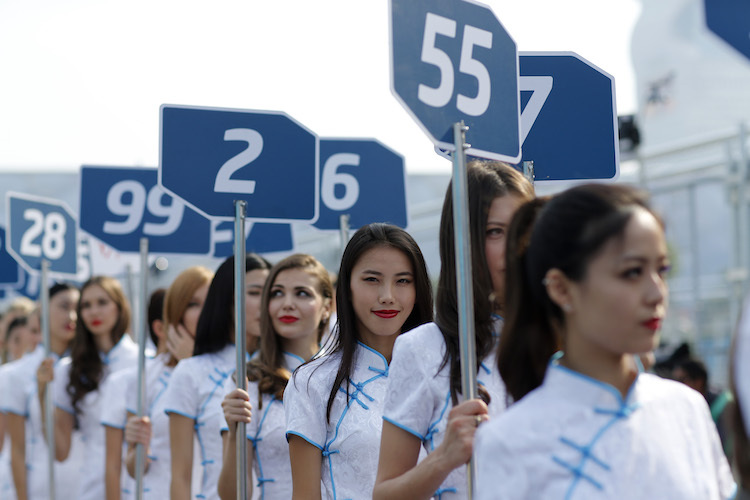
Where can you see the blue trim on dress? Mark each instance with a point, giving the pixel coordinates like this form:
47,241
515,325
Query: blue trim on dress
301,361
298,434
168,412
403,427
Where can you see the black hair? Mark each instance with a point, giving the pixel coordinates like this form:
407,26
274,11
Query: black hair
347,333
155,312
16,323
564,232
486,181
215,329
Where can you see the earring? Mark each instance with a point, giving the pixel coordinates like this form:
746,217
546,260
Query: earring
567,308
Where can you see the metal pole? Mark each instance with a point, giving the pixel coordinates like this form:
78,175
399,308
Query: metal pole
49,406
528,171
343,231
240,341
141,329
461,237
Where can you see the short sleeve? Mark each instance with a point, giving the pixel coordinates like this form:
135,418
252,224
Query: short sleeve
3,388
497,474
182,396
62,399
114,398
15,392
410,402
305,402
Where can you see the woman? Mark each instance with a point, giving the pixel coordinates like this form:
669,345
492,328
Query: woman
29,450
588,270
181,306
295,311
424,406
194,393
100,348
334,407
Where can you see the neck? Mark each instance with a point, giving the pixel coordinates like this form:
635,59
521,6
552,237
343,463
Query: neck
381,343
104,343
305,347
617,370
57,346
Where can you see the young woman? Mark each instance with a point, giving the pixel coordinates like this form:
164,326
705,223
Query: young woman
588,269
424,406
100,348
28,448
334,406
294,315
182,306
195,389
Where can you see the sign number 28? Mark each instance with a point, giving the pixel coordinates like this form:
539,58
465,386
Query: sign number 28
52,229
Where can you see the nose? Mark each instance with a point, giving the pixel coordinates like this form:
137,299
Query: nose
287,302
657,289
386,294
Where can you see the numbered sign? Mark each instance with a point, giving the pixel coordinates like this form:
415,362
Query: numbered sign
119,206
211,157
451,61
262,237
10,272
569,120
41,228
361,178
730,20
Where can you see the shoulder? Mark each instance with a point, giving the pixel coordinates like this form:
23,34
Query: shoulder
658,391
316,376
420,348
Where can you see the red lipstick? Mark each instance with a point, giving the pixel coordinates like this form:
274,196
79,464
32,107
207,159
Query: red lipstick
288,319
652,324
96,322
385,313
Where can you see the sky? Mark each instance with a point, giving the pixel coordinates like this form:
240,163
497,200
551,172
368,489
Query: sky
82,80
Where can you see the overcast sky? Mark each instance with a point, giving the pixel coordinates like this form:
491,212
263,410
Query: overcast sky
82,80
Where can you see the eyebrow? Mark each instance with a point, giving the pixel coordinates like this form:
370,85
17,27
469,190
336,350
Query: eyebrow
378,273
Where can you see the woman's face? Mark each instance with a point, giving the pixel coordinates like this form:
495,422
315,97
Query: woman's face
619,306
99,312
62,315
254,281
498,219
193,310
382,292
296,306
20,341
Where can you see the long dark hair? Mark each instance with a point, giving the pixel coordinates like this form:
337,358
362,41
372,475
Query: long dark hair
268,367
215,329
86,367
485,181
347,333
565,233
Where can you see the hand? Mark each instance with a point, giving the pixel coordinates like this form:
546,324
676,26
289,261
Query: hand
138,431
237,408
463,420
46,372
180,342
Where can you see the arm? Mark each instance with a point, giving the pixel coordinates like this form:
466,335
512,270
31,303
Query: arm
112,461
307,461
137,431
64,421
400,477
17,432
237,408
181,447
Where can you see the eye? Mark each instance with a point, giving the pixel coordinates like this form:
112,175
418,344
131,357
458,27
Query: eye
303,293
405,281
276,293
495,232
632,273
664,270
370,279
193,304
254,292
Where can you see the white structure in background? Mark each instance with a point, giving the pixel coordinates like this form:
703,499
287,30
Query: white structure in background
693,102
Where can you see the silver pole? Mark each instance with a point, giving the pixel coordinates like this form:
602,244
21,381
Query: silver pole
141,329
528,171
240,341
343,231
462,242
49,410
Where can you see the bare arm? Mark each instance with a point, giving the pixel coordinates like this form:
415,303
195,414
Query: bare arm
64,421
112,461
307,461
181,447
237,408
17,431
400,477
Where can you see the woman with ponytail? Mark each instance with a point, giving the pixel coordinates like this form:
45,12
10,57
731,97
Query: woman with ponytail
588,271
424,406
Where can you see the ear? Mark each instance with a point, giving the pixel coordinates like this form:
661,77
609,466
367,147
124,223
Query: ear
559,289
158,326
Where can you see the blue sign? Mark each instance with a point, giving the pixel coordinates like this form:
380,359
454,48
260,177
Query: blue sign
361,178
211,157
569,121
730,19
41,228
10,273
119,206
451,61
260,237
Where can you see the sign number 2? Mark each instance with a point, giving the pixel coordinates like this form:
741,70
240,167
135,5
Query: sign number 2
51,227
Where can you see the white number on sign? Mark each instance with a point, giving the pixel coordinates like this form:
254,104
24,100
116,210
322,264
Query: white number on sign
540,86
224,182
136,207
441,95
332,177
51,227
